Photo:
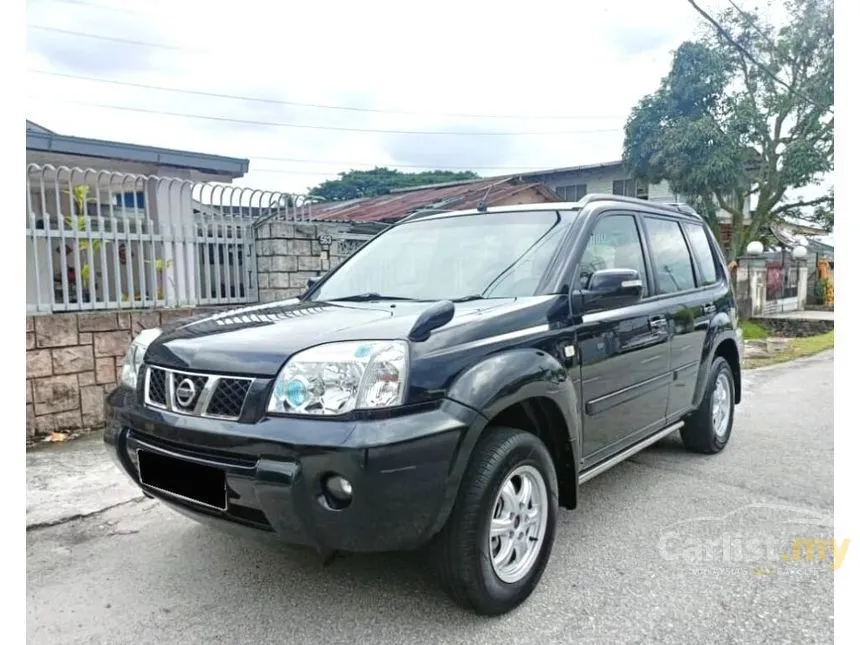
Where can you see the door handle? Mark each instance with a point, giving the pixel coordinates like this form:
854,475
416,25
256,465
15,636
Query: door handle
657,323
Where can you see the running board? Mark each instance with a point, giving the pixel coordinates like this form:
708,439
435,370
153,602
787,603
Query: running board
602,467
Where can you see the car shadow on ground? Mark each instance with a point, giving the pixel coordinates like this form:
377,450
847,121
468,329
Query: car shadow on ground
356,584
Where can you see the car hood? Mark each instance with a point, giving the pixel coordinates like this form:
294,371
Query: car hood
257,340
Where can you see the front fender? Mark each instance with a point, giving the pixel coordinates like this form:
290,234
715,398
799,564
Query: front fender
501,380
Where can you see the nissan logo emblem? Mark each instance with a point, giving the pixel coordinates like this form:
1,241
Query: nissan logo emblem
185,393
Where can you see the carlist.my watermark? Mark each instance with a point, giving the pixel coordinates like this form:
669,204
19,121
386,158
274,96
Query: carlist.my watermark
757,536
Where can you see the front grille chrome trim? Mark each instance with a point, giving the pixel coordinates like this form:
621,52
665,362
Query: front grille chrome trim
204,400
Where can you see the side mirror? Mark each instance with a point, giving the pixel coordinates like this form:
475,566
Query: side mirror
313,281
611,288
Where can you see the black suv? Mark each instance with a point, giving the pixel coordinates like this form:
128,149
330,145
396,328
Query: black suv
451,384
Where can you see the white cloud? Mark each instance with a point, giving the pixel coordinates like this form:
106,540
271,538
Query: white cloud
591,61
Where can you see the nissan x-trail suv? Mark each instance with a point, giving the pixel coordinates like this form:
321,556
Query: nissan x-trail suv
449,385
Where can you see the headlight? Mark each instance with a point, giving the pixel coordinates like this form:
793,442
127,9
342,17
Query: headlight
133,360
337,378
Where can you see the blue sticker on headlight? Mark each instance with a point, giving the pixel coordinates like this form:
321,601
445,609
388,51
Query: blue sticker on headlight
362,351
296,392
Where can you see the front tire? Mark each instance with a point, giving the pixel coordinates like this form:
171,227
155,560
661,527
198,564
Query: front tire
708,429
495,546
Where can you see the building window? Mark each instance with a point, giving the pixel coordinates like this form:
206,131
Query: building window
129,200
572,193
630,188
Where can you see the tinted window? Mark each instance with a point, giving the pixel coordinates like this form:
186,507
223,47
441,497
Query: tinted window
673,266
614,244
495,255
703,252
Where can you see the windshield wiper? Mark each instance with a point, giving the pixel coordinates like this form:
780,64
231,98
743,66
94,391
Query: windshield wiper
365,297
474,296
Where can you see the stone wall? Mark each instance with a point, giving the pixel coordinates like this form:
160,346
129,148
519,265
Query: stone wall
795,327
74,360
289,254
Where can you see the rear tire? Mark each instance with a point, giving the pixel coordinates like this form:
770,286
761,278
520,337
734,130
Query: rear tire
708,429
509,487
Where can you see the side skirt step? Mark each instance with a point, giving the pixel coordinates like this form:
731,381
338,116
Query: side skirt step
603,466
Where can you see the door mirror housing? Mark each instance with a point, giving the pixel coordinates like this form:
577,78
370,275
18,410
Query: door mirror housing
609,288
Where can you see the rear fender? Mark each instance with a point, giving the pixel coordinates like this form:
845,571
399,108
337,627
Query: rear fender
720,330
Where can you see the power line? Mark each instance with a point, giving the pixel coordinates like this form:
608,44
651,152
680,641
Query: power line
322,106
84,3
392,165
746,54
140,43
307,126
292,172
333,173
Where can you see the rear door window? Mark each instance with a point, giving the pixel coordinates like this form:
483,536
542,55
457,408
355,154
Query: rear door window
673,265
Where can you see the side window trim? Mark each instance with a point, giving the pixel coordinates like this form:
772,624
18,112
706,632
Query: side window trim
698,274
650,269
643,247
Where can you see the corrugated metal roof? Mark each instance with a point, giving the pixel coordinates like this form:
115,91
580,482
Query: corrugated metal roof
397,205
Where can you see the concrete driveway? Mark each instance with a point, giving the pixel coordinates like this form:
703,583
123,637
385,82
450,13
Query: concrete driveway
666,548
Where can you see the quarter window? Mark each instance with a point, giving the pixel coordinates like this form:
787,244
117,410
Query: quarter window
673,266
614,244
703,252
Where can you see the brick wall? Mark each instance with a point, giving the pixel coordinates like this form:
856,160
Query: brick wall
290,254
73,361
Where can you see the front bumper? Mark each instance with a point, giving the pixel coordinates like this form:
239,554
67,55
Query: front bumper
401,470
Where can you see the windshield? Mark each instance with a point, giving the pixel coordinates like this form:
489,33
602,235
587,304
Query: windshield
488,255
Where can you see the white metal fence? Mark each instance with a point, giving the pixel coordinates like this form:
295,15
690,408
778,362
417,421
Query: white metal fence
111,240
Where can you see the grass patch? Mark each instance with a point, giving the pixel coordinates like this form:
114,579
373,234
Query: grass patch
752,331
797,348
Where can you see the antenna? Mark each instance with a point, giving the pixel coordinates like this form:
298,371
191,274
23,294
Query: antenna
482,204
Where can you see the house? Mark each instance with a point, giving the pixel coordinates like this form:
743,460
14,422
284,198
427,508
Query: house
401,202
109,210
574,182
568,184
612,177
45,146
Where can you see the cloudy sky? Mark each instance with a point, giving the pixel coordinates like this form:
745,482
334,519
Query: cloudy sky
466,85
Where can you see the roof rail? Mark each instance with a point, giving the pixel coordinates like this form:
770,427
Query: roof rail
677,207
684,208
424,212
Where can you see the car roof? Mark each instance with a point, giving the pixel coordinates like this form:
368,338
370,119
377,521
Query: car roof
675,209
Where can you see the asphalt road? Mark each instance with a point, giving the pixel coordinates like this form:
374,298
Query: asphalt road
629,566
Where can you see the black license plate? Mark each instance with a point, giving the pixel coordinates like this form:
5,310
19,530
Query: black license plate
186,480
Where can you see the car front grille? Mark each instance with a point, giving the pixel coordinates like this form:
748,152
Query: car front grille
201,395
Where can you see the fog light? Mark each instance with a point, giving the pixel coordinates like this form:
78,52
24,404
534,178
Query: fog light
339,487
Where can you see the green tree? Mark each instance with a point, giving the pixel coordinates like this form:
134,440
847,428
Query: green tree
381,181
744,114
